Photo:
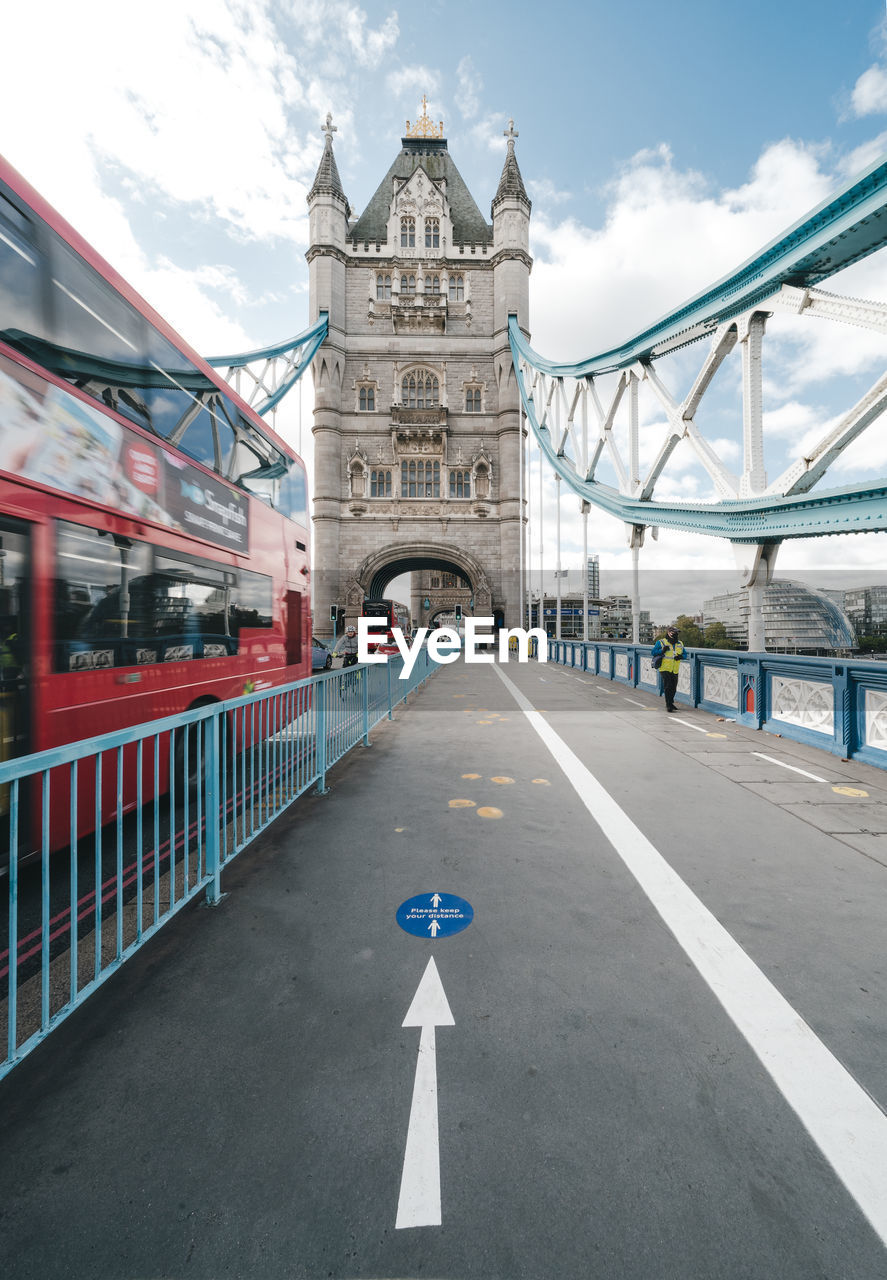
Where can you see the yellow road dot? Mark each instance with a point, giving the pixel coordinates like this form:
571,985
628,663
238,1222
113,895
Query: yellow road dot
400,829
541,782
458,695
850,791
489,812
471,775
483,722
461,804
503,781
716,735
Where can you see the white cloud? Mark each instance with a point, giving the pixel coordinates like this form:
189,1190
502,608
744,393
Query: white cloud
470,84
488,132
543,191
869,96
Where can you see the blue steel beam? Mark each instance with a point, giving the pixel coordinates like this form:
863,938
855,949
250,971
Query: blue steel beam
842,230
311,340
855,509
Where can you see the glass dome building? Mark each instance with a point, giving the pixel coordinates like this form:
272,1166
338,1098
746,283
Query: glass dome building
797,619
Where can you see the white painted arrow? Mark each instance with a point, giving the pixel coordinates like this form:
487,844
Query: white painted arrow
434,926
419,1203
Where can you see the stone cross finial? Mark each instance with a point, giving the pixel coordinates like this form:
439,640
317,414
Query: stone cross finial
328,129
510,133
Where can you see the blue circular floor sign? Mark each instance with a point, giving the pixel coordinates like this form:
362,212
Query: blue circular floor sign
434,915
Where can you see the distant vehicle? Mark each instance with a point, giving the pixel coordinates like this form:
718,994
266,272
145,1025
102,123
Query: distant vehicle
395,614
321,658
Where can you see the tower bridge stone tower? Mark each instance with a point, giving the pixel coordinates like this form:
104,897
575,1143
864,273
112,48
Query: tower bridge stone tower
417,427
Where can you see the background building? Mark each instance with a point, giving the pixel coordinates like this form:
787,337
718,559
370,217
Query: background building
866,607
797,619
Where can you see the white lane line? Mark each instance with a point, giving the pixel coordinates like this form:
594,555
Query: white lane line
419,1201
636,704
691,726
794,769
849,1128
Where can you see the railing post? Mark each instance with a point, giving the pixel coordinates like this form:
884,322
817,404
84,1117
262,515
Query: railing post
843,717
366,707
390,709
212,768
320,695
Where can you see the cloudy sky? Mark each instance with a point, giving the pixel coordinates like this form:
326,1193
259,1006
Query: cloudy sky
661,146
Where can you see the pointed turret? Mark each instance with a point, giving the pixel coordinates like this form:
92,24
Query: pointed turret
511,184
511,240
327,181
328,212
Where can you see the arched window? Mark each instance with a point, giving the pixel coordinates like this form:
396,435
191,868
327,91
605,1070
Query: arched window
420,390
460,484
408,233
407,284
380,484
383,288
420,479
472,400
366,399
432,233
457,289
432,284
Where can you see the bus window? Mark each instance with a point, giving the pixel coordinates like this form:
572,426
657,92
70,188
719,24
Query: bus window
99,339
225,417
199,439
177,399
253,601
98,607
14,704
21,279
292,498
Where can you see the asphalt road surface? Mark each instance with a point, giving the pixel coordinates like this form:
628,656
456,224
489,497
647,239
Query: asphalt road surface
657,1052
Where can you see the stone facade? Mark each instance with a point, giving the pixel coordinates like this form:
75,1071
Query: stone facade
416,420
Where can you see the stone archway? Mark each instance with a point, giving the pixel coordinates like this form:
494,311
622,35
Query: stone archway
380,568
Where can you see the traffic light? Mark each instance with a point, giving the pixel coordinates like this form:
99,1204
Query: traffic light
334,613
458,613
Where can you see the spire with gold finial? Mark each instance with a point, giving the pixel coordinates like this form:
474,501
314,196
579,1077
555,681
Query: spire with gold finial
424,127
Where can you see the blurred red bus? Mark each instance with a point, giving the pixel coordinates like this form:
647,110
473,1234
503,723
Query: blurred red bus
154,545
392,613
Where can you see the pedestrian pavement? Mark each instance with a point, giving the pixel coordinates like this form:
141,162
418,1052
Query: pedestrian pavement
627,1064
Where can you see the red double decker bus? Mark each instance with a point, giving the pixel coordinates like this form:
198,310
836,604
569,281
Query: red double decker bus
154,552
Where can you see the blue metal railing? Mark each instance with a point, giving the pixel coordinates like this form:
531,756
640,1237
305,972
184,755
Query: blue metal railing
833,703
104,841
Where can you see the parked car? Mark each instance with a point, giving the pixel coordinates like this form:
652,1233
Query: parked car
321,658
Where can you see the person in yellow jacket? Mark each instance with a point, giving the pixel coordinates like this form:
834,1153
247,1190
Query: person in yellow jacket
671,650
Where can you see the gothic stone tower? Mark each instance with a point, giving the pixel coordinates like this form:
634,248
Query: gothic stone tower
416,420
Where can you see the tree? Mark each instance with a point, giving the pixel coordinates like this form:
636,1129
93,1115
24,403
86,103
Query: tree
690,634
716,637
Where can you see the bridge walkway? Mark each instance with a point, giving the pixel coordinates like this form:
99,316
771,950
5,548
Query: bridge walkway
236,1101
